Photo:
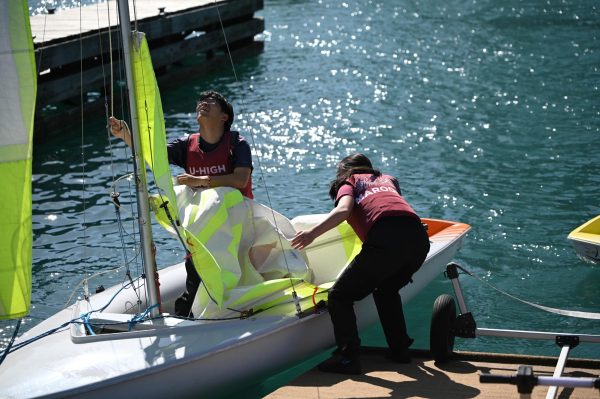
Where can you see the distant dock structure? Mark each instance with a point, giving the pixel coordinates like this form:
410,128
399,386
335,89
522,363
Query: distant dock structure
186,37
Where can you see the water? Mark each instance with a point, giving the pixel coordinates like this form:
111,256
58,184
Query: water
486,111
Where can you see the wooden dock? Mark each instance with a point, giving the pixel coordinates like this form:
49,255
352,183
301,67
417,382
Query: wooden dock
186,37
423,378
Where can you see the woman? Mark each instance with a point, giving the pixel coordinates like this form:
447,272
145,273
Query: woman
395,245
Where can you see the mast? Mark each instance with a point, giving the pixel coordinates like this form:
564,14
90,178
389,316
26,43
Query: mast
141,186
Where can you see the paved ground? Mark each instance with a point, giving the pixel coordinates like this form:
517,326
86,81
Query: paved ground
458,379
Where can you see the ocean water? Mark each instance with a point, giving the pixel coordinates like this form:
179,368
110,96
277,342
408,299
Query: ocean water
486,111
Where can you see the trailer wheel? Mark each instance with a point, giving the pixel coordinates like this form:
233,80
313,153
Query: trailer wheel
441,336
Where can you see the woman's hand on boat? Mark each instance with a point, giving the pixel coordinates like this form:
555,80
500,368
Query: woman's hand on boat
193,181
341,212
302,239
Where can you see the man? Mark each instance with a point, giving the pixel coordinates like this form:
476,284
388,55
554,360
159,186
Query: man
213,157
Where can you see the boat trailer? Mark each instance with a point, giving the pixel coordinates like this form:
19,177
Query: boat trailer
446,325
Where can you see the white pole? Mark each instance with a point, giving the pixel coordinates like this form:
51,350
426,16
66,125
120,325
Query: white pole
560,367
144,220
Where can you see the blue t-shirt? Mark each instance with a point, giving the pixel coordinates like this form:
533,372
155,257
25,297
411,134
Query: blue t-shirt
177,151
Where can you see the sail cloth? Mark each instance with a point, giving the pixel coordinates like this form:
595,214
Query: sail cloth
17,107
151,122
240,248
234,242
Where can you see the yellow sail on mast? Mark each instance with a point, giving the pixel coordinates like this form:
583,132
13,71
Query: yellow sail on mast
151,122
217,246
151,126
17,106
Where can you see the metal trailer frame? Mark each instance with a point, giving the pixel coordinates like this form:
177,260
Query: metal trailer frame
464,326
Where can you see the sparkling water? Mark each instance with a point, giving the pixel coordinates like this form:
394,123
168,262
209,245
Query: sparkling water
486,111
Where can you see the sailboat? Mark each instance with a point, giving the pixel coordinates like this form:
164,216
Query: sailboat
586,240
260,308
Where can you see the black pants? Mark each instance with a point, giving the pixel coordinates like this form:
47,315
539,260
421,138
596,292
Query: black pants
183,304
393,251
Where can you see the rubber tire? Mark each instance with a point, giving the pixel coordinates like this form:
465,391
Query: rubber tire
441,337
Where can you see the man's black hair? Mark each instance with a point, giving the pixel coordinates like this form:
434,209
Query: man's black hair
223,103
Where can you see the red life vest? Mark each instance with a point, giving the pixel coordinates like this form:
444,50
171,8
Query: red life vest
374,198
213,163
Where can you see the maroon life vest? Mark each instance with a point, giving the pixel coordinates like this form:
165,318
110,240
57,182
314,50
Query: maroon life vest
213,163
374,198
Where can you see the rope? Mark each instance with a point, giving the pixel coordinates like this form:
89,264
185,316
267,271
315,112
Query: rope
87,279
43,40
106,97
110,54
260,168
85,319
124,101
150,141
83,187
38,337
135,19
114,194
10,343
139,318
562,312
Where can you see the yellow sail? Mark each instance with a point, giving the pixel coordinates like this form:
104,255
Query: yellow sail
17,107
151,126
151,122
239,247
212,228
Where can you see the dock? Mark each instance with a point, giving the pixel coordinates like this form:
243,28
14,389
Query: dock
423,378
186,38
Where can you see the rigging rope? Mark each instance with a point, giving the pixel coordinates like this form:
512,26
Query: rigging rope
88,324
106,97
41,48
150,279
160,195
83,181
260,167
135,28
114,194
12,340
124,101
562,312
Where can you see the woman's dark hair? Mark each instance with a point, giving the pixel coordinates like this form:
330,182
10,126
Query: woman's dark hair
351,165
223,103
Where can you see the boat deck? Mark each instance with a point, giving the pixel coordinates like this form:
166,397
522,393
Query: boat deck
422,378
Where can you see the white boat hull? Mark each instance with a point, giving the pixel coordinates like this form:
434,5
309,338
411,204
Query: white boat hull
180,358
